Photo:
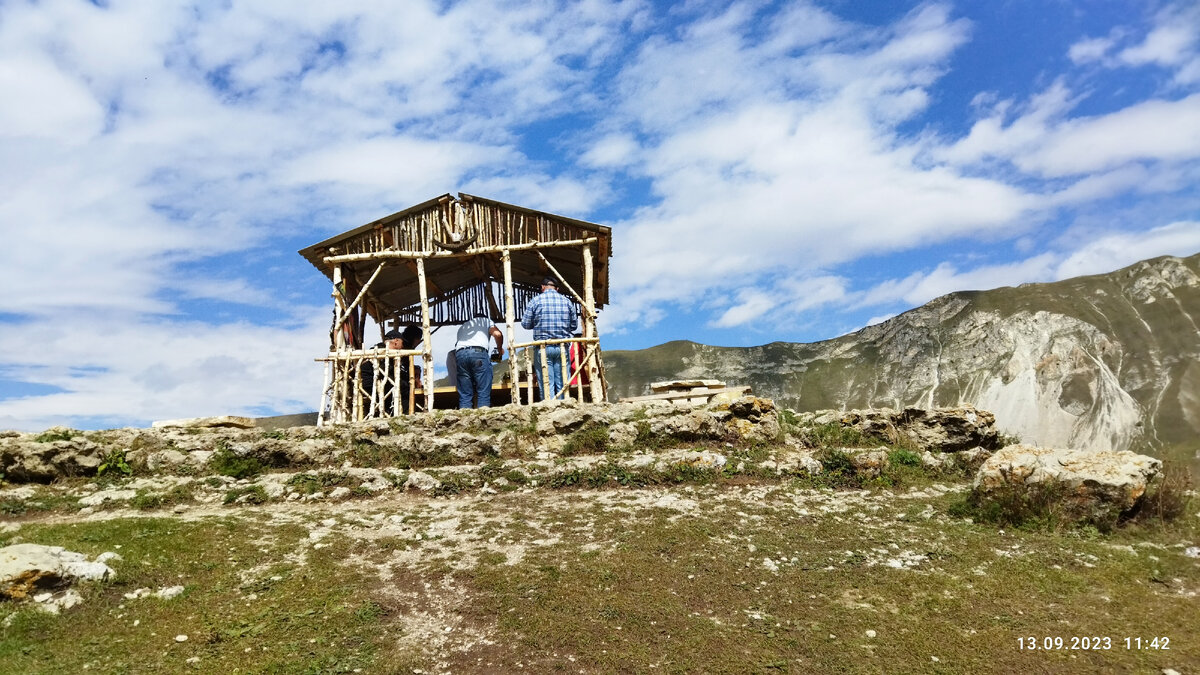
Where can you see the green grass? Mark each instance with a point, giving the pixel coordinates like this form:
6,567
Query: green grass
49,436
317,618
675,568
226,462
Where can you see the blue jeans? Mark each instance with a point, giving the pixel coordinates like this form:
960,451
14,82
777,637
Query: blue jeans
474,375
554,362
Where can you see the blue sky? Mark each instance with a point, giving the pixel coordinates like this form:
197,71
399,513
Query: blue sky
771,170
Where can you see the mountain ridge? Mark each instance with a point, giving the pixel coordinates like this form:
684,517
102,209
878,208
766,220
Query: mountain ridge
1104,361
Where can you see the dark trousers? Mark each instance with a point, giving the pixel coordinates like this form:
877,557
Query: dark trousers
474,378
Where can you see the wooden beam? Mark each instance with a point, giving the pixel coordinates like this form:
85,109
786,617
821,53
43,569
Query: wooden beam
418,255
361,294
564,283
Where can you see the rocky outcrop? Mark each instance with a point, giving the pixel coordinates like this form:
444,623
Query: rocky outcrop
54,453
446,438
1075,485
1106,362
951,429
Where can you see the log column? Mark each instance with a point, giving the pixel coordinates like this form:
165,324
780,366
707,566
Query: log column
589,325
510,327
427,350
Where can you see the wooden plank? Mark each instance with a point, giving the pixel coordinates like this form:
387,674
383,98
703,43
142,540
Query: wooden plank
695,393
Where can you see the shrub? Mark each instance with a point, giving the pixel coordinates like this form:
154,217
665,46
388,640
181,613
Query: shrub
1167,498
904,458
254,494
114,462
592,440
835,435
226,462
56,434
838,467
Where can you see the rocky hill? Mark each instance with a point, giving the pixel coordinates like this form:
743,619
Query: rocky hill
1110,361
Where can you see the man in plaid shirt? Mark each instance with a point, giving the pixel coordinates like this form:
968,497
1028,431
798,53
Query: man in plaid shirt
551,316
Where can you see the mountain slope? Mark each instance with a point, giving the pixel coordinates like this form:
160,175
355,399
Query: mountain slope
1104,361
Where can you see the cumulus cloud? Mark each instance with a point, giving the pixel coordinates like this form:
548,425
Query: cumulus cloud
1119,249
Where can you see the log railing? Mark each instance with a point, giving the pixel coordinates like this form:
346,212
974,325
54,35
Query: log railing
577,378
367,384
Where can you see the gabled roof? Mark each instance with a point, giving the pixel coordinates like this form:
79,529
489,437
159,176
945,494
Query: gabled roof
460,273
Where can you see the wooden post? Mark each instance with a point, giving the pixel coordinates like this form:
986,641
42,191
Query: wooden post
427,375
589,323
564,371
510,313
528,351
325,393
357,391
339,303
546,395
397,404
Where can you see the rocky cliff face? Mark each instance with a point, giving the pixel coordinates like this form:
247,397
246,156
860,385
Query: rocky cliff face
1106,362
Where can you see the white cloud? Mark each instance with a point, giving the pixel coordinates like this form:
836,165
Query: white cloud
1091,49
1119,249
750,304
614,150
146,370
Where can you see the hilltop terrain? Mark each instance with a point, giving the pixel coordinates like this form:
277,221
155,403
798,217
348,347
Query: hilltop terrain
729,538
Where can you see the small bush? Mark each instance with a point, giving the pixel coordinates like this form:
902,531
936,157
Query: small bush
1167,498
146,500
1014,507
308,483
114,462
838,467
254,494
51,435
904,458
592,440
835,435
226,462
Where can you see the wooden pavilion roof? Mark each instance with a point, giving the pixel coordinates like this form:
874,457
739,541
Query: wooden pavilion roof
461,241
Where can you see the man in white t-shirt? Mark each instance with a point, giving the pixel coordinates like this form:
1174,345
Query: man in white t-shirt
474,369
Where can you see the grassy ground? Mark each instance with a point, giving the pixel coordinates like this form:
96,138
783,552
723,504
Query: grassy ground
732,576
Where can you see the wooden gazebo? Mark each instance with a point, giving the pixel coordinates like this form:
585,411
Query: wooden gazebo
441,263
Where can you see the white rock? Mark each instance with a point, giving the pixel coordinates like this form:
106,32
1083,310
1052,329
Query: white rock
1192,551
108,556
169,592
419,480
1094,485
871,633
24,567
181,638
98,498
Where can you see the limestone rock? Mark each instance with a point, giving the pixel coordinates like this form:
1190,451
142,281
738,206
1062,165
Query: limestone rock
419,480
1086,486
28,570
207,422
871,463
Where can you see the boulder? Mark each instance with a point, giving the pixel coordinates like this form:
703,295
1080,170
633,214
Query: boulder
24,458
935,429
1076,485
220,421
32,570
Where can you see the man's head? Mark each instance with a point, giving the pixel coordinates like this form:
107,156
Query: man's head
549,282
412,336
